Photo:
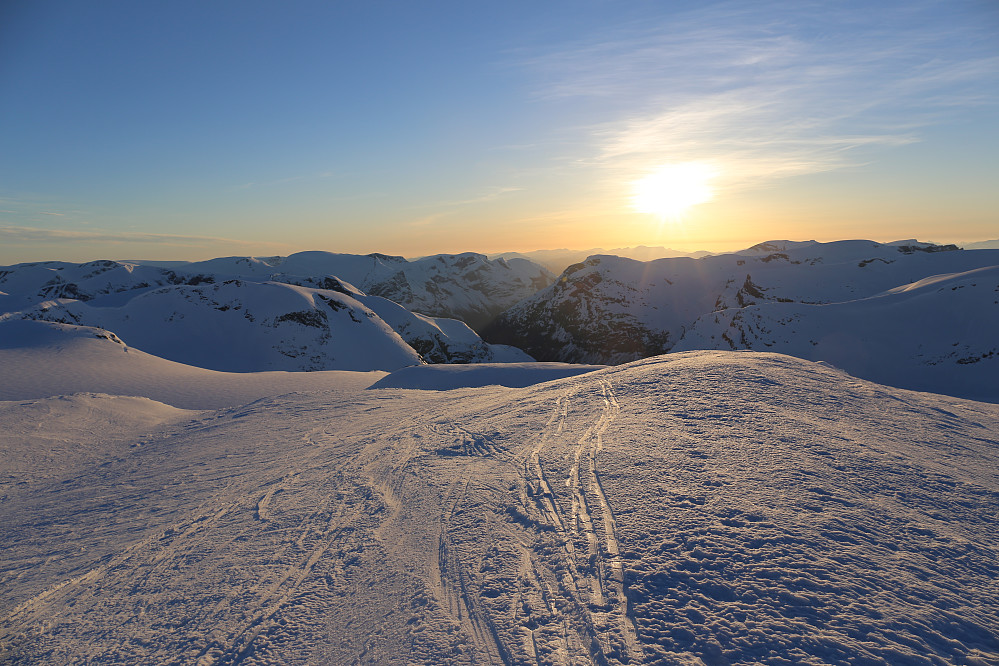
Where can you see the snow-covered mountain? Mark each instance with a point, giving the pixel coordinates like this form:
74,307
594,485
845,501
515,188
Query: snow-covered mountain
695,508
846,300
242,314
467,286
939,334
23,285
237,325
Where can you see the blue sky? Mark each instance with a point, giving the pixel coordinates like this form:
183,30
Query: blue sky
195,129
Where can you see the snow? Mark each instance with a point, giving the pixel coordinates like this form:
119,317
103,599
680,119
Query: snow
700,507
448,377
43,359
43,438
238,326
936,334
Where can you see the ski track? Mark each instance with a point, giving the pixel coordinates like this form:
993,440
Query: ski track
593,582
450,528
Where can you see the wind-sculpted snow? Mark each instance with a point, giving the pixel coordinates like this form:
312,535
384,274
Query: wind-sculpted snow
706,507
614,310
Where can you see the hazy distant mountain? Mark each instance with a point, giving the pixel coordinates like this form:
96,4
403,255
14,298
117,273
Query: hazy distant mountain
982,245
557,260
853,303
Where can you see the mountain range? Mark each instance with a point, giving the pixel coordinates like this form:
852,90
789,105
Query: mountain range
912,314
558,260
241,314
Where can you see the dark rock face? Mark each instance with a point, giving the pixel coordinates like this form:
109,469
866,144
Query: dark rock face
467,286
579,319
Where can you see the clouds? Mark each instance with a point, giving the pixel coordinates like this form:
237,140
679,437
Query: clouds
767,93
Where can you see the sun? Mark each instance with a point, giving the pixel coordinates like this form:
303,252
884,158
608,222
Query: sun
672,189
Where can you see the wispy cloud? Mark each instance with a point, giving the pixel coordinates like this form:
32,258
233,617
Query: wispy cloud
446,209
322,175
769,92
490,194
10,235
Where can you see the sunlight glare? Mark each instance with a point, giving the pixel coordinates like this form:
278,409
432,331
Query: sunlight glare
672,189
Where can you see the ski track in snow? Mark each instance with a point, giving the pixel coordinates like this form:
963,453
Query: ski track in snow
700,508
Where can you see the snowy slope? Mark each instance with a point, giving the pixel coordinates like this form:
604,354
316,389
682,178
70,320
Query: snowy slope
240,326
706,507
938,334
43,438
44,359
612,310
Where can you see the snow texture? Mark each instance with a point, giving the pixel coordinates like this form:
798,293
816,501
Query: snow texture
697,508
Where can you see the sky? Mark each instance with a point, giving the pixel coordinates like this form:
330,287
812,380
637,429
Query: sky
189,130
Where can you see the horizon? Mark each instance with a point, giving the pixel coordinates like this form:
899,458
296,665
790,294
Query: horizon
494,254
186,132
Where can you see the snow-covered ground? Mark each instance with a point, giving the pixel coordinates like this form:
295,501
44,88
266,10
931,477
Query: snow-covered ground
702,507
512,375
43,359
